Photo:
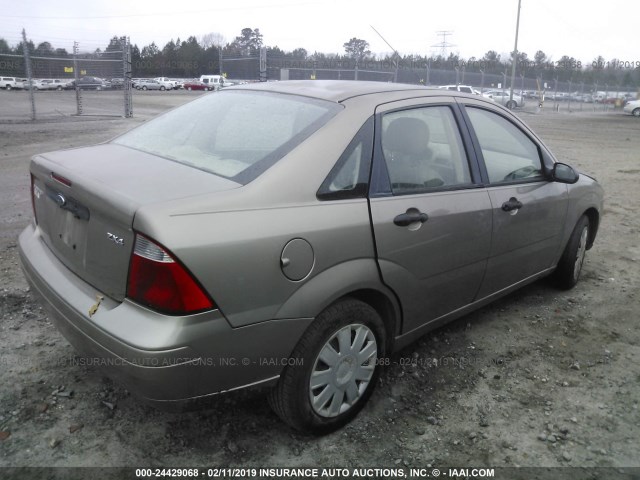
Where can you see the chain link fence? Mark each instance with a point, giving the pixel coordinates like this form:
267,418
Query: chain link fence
99,83
82,83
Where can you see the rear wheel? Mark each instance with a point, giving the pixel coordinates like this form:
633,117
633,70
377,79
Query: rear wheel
636,112
511,104
162,89
333,369
9,88
144,87
189,88
569,267
59,88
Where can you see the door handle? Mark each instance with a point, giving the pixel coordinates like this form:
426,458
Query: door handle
512,204
412,215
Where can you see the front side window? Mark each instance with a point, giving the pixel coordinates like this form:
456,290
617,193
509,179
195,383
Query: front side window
509,154
423,150
235,134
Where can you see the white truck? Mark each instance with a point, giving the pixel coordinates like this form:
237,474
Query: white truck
9,83
166,82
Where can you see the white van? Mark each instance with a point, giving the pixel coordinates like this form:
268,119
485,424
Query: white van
214,82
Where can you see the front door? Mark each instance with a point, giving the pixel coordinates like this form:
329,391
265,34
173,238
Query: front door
528,210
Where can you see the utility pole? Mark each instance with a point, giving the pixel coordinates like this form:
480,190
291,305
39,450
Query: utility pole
515,55
27,63
76,74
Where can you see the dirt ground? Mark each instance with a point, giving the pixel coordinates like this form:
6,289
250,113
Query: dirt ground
541,378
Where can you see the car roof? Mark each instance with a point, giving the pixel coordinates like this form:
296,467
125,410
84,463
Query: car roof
336,90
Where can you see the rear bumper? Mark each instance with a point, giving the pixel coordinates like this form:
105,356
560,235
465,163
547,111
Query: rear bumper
161,358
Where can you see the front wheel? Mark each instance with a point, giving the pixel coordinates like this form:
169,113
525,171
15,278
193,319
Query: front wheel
636,112
144,88
162,89
569,267
333,369
511,104
189,88
8,87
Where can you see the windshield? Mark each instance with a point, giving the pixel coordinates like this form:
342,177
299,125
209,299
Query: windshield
233,134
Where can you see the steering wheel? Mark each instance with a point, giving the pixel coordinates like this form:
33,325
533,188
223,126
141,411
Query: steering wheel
521,173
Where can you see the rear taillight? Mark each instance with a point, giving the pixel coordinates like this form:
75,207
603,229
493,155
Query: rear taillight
160,282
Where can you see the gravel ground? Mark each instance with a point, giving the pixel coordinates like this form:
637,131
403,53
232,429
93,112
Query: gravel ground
541,378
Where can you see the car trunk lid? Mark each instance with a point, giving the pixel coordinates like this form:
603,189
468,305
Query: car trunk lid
85,201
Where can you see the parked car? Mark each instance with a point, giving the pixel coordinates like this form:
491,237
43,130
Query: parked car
196,85
503,98
9,83
633,107
36,84
460,88
44,84
149,85
178,83
216,82
117,83
296,237
92,83
166,83
54,84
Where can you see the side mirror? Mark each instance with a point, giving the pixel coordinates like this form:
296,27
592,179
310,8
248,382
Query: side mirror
564,173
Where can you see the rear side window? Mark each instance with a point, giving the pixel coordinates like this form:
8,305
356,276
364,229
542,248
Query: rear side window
349,178
233,134
509,154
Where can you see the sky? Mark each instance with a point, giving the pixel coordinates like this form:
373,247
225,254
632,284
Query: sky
570,27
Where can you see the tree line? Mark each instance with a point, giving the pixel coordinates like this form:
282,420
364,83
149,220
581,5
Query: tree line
200,55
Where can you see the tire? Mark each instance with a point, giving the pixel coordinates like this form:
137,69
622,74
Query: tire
326,406
635,112
189,88
569,267
8,87
511,104
59,88
162,89
98,88
144,87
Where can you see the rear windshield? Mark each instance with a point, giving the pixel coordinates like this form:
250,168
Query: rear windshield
233,134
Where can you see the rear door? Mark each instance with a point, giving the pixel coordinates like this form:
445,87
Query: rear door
528,210
431,216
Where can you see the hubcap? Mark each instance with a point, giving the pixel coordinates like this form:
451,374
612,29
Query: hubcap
343,369
582,249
